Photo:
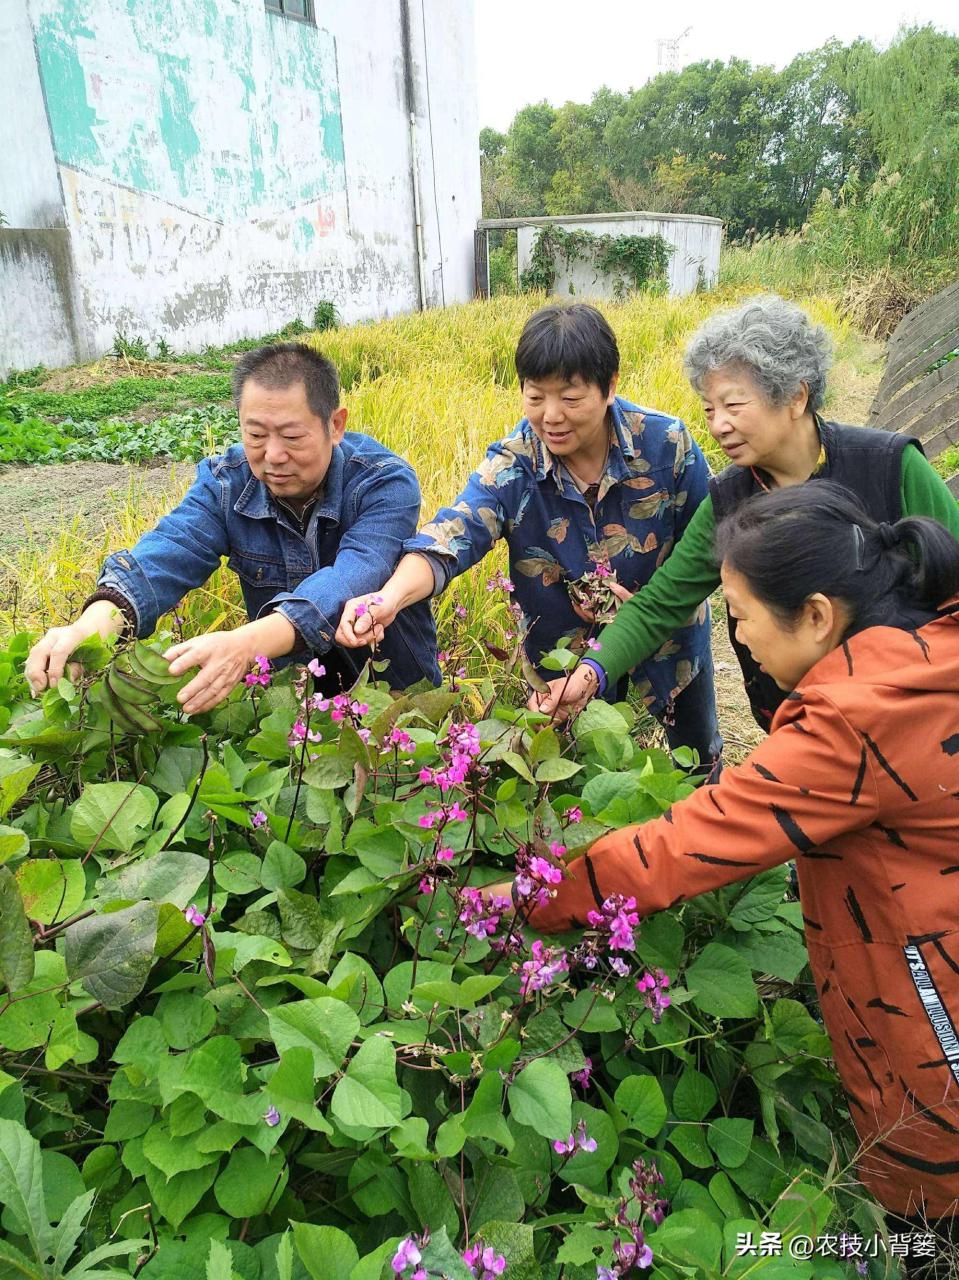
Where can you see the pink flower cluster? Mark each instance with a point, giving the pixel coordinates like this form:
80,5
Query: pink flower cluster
617,921
484,1262
580,1139
540,972
630,1250
582,1076
316,668
463,748
645,1185
408,1255
574,814
301,732
499,581
362,608
444,813
399,740
192,915
479,917
261,676
259,819
534,875
653,986
602,570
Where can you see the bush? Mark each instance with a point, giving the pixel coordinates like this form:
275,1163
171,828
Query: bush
254,1007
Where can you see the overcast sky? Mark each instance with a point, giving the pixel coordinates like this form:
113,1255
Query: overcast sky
563,50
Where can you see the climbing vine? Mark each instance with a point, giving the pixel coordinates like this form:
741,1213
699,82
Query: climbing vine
633,262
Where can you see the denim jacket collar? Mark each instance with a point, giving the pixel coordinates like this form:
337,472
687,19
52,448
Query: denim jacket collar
620,448
257,502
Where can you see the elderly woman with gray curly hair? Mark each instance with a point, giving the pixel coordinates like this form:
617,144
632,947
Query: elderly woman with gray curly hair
761,371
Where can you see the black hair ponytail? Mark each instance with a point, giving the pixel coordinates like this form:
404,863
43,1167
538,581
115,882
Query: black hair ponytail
816,537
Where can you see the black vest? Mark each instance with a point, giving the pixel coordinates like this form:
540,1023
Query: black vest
866,461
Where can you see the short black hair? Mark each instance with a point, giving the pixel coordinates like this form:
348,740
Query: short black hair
279,365
566,342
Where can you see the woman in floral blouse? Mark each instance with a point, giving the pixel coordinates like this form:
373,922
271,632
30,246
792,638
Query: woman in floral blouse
586,482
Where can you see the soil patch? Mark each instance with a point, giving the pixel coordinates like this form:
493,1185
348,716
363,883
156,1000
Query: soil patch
35,502
109,369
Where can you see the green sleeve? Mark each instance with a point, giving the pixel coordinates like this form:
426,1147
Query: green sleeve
925,493
668,600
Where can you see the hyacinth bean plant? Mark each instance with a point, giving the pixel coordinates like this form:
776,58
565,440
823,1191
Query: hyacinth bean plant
257,1020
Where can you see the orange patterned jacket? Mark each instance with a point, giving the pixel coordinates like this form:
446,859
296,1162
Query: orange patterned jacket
859,782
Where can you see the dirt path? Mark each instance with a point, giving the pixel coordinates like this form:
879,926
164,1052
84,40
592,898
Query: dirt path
37,501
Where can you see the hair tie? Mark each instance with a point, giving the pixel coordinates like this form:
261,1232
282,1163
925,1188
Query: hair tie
888,535
859,539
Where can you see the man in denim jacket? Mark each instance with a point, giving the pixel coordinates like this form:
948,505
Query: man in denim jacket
308,516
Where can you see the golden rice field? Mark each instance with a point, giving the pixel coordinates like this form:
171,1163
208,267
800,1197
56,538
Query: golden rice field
437,387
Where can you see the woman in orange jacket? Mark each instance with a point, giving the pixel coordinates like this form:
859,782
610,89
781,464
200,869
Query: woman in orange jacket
859,783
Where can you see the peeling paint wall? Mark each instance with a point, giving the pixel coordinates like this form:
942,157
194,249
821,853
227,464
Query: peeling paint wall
220,169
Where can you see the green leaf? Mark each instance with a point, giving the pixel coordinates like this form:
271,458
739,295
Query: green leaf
282,868
219,1263
781,954
171,876
689,1236
177,1197
695,1095
730,1138
251,1182
52,890
16,774
690,1141
114,814
291,1090
458,995
540,1098
721,983
67,1232
186,1018
431,1197
16,939
441,1259
112,955
484,1118
326,1252
172,1155
14,843
557,770
214,1071
21,1185
585,1243
325,1026
368,1095
517,763
641,1101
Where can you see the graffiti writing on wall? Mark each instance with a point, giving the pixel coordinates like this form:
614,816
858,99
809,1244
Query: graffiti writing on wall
224,110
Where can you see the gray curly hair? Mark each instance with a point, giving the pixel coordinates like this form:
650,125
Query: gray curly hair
772,340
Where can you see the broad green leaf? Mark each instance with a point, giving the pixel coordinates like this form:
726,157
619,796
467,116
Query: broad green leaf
694,1096
326,1252
498,1196
16,939
730,1138
484,1118
363,992
291,1090
113,814
14,843
186,1018
690,1141
458,995
282,868
144,1044
172,1155
557,770
219,1263
21,1185
251,1182
171,876
781,954
518,763
721,983
16,774
431,1197
540,1098
640,1099
52,889
368,1095
177,1197
128,1120
112,955
441,1259
688,1235
325,1026
214,1071
67,1232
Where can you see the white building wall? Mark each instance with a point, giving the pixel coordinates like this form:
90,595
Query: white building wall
224,168
694,261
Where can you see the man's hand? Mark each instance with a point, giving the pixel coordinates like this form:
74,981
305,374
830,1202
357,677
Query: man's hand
224,658
364,620
567,695
47,659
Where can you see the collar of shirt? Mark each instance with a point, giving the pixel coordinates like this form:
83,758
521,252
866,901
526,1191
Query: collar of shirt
621,447
258,503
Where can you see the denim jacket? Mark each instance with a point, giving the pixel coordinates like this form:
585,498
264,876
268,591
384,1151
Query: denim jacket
655,477
369,504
